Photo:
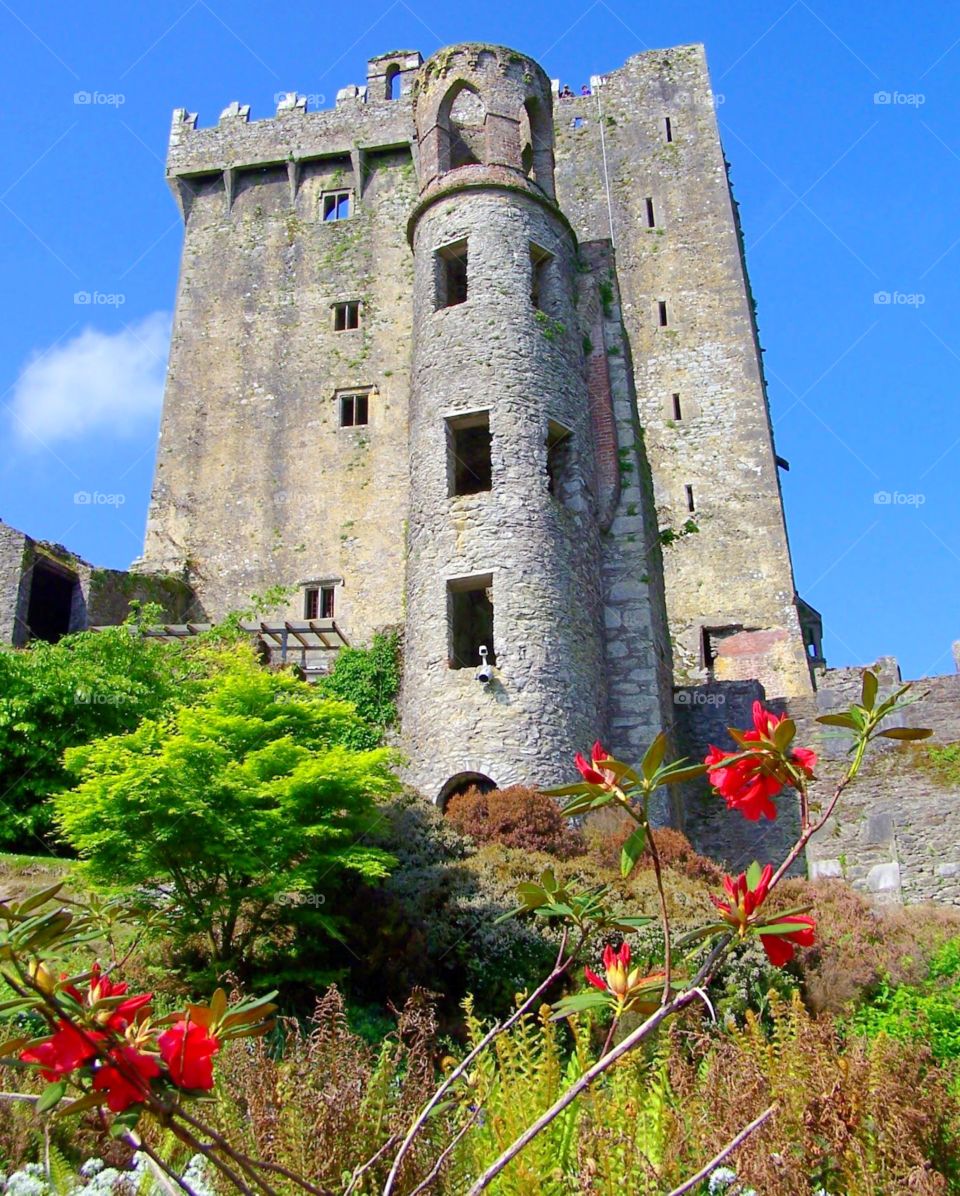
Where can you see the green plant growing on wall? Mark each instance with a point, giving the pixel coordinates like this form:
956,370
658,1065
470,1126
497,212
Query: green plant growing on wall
550,329
670,535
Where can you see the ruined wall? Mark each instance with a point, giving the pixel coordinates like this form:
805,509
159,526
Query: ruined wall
683,250
896,832
257,482
13,548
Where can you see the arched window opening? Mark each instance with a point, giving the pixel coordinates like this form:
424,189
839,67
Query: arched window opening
461,783
536,144
393,81
526,143
461,121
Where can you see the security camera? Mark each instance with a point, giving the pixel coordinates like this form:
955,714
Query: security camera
484,673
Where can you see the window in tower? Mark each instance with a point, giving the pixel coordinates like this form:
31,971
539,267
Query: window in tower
541,274
676,407
559,461
668,128
346,316
651,217
393,81
336,205
691,505
662,313
354,409
470,620
469,466
450,275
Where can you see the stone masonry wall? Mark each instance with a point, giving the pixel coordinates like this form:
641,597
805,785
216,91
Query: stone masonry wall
497,352
13,548
896,832
612,157
257,484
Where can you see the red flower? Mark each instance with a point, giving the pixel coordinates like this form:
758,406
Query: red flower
593,771
188,1050
101,988
130,1086
63,1051
642,994
749,784
740,912
780,948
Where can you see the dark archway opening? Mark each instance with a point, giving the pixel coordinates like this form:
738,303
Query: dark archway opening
461,783
51,602
393,82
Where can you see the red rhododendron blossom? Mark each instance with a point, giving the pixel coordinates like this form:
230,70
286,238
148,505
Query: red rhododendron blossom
740,912
188,1050
592,770
780,948
63,1051
101,988
749,784
129,1086
631,990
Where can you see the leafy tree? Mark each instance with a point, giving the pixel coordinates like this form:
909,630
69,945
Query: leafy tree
54,696
238,813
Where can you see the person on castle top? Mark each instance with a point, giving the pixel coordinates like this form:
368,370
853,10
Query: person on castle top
585,90
566,93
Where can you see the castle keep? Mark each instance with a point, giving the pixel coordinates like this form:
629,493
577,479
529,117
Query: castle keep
471,359
450,356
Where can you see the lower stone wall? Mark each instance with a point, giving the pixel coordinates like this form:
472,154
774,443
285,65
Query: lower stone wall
13,546
896,832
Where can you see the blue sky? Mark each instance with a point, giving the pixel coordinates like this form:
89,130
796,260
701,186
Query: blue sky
840,124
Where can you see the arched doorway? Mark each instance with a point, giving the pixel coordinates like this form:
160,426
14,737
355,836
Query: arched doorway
463,781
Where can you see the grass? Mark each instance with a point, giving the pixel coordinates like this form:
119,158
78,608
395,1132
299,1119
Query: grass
23,874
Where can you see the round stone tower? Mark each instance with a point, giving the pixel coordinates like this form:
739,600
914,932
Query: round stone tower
503,544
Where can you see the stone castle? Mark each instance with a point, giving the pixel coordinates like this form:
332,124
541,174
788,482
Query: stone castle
477,360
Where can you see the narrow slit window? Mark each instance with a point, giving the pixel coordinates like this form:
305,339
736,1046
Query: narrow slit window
354,410
469,462
677,408
662,313
470,613
559,461
668,128
691,505
539,276
346,316
393,82
450,267
311,603
336,206
651,216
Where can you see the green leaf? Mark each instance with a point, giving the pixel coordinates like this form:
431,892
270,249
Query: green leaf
51,1096
675,776
37,899
783,736
632,850
123,1123
839,720
579,1003
566,790
653,757
91,1100
906,733
868,694
618,923
754,872
702,932
780,928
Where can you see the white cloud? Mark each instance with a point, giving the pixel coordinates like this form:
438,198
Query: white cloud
98,381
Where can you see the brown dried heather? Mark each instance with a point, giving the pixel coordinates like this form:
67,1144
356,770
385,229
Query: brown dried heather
867,1118
329,1101
517,816
607,832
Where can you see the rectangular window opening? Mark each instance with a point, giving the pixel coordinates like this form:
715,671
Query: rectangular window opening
336,205
318,602
354,410
559,460
470,612
662,312
539,276
677,409
469,461
651,218
346,316
450,270
668,128
691,505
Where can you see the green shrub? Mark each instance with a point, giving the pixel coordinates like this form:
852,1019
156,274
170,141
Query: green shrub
369,678
238,815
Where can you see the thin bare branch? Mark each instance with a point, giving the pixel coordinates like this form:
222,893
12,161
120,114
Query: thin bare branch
689,1184
448,1150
